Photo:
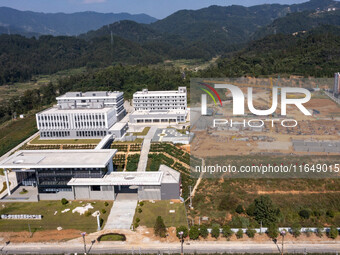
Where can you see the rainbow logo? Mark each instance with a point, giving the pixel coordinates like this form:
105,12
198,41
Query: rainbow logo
209,93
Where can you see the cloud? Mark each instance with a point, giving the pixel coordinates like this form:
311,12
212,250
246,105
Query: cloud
93,1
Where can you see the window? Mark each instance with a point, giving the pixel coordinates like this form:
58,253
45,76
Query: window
95,188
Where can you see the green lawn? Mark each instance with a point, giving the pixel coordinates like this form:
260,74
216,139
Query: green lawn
65,141
67,220
150,211
14,132
112,237
144,132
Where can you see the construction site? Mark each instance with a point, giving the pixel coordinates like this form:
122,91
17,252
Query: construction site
316,134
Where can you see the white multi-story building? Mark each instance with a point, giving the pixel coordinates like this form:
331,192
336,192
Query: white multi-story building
159,106
82,115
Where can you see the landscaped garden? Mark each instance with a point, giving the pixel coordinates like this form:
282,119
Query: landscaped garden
173,213
54,215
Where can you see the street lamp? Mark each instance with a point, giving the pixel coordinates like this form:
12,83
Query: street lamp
83,235
283,233
182,241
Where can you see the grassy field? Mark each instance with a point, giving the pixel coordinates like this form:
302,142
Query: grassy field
150,211
65,141
7,91
16,131
67,220
289,195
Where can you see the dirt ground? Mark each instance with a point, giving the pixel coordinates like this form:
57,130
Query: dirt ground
40,236
142,235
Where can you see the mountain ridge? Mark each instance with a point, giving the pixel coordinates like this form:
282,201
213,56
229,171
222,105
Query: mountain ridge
64,23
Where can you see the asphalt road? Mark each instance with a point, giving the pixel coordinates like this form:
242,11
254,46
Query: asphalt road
109,248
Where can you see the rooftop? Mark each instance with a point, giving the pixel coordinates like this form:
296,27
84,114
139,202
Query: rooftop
121,178
58,159
160,112
181,90
53,110
164,175
90,95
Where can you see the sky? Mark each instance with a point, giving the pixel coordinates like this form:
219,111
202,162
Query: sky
156,8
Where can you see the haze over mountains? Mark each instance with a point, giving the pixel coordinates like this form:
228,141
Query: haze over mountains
28,22
235,33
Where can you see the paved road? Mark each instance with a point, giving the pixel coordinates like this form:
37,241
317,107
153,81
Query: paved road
143,160
169,248
122,212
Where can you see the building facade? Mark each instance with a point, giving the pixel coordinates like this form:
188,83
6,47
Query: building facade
85,174
82,115
159,106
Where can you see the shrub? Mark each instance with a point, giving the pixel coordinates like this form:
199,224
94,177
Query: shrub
183,229
273,231
139,210
103,211
141,203
251,232
226,231
64,201
333,232
137,220
250,210
204,231
106,203
239,209
305,214
330,213
101,222
239,233
265,211
194,232
215,231
135,225
227,203
296,230
160,229
319,231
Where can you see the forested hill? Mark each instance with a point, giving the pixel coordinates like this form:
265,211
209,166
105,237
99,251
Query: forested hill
315,53
300,22
61,23
21,57
127,29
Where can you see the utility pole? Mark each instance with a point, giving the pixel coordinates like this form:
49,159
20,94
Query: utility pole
283,233
182,241
83,235
29,229
190,204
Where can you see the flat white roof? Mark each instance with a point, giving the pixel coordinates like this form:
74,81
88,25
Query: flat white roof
164,175
87,95
54,110
58,159
121,178
164,112
159,93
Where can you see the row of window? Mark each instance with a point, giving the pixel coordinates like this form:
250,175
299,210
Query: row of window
90,133
89,124
55,133
54,124
156,97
